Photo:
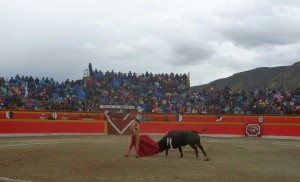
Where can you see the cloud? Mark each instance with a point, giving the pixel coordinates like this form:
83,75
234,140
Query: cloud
208,39
281,55
259,23
185,54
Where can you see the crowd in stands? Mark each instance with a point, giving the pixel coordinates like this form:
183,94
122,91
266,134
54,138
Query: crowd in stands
149,93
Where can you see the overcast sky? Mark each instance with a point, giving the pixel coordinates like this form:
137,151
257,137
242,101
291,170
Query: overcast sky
209,39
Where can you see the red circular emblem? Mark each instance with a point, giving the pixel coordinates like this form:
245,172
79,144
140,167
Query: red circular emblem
252,129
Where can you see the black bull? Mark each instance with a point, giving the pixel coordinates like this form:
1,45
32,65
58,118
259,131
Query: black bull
178,138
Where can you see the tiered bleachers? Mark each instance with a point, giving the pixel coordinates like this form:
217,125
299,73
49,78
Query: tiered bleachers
149,93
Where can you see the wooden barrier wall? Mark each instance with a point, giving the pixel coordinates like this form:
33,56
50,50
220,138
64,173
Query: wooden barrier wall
278,126
27,122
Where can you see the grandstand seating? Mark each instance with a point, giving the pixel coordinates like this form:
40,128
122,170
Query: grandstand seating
148,93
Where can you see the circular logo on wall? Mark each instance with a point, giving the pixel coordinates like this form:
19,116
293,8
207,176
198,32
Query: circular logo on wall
253,129
54,115
261,119
8,114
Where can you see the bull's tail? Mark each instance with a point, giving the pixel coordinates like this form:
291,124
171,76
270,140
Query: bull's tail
202,131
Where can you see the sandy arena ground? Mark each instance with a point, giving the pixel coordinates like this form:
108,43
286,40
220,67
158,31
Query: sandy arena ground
100,158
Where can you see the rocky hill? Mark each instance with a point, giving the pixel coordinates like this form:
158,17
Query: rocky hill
280,78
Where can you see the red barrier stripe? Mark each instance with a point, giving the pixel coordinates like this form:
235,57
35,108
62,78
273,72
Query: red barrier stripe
51,127
280,124
53,121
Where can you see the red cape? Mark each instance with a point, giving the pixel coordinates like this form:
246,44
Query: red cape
147,146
